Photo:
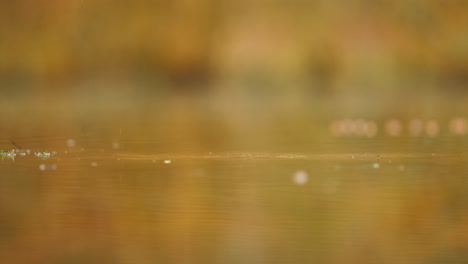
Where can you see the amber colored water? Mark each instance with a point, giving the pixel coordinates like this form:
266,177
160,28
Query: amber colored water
200,180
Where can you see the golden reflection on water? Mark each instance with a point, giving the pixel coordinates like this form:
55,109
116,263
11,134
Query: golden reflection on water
194,185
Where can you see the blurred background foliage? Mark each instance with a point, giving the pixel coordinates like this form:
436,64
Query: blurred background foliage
53,46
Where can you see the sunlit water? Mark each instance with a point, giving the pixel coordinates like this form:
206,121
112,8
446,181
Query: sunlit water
187,183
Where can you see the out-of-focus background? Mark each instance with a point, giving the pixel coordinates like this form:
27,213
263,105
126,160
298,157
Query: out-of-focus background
203,131
206,46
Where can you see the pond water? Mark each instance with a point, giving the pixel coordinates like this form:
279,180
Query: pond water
223,181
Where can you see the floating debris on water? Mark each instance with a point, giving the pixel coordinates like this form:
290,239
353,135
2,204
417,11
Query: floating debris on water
401,167
10,154
167,161
20,152
45,154
300,177
94,164
376,165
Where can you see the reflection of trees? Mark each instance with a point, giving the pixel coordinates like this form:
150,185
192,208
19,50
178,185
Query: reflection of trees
188,42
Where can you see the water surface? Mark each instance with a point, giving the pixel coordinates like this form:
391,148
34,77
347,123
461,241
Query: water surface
190,181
